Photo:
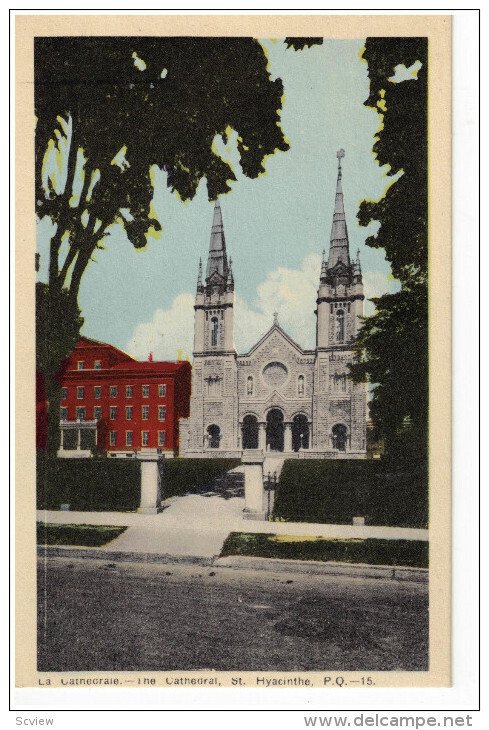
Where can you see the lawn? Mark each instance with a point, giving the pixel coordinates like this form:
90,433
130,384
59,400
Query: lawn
413,553
80,535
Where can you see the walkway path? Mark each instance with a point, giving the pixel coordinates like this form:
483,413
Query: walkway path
197,525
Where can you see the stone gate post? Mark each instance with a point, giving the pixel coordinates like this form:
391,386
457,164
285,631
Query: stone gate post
150,483
255,507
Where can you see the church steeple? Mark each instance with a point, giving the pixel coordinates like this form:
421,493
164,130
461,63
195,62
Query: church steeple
214,300
338,248
217,259
340,292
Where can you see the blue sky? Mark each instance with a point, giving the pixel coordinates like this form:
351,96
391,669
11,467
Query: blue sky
276,226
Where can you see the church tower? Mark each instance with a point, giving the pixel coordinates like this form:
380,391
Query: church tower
339,409
213,406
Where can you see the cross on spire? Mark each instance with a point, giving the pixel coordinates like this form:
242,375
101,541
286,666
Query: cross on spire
338,249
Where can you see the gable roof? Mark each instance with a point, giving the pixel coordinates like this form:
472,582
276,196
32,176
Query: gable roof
275,328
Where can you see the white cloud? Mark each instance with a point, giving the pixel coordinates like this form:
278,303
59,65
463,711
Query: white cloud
289,292
375,283
169,331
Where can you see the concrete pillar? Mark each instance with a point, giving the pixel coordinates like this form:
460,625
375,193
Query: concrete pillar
78,439
150,484
62,445
287,437
255,504
262,436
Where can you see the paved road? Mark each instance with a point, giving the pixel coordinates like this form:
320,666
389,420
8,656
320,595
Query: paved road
97,615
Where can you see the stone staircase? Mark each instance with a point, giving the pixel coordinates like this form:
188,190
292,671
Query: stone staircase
230,484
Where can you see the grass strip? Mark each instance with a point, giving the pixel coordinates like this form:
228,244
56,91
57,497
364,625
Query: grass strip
76,535
373,551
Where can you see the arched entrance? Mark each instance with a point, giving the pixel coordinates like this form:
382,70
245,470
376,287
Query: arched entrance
214,436
275,430
340,437
250,432
300,432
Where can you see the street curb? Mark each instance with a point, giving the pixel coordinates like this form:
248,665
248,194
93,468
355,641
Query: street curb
316,567
61,551
242,562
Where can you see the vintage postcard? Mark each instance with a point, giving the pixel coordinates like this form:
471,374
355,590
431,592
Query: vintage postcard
233,383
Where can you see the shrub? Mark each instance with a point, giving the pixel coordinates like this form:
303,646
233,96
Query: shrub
335,491
104,484
97,485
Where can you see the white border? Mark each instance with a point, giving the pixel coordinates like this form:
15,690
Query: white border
463,694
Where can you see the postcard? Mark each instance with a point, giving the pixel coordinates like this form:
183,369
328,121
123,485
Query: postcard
233,367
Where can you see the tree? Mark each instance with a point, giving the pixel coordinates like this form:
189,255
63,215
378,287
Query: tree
392,348
108,110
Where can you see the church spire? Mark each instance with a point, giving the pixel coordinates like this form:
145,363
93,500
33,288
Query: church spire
217,260
338,248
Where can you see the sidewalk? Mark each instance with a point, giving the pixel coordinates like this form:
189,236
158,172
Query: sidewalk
197,525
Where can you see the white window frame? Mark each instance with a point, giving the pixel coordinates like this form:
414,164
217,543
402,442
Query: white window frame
129,391
97,397
143,411
80,389
162,390
129,409
129,441
95,409
161,438
144,437
112,438
143,388
63,413
113,394
78,417
161,409
64,393
112,409
97,364
80,365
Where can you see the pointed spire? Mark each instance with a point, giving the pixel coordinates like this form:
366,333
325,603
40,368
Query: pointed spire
199,276
217,260
359,267
338,249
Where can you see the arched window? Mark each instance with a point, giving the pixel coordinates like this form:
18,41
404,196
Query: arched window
340,325
214,436
214,331
339,436
300,385
249,385
250,432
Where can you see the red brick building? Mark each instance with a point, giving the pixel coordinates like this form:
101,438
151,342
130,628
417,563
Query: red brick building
124,405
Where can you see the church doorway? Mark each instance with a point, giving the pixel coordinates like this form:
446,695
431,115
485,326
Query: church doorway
300,432
250,432
214,436
275,430
340,437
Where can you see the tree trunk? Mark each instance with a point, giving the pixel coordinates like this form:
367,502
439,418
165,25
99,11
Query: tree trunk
53,403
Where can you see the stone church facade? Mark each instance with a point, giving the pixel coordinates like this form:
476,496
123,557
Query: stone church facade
278,397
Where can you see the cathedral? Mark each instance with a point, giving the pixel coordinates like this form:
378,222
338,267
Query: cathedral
278,397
